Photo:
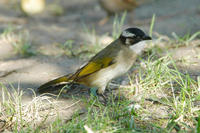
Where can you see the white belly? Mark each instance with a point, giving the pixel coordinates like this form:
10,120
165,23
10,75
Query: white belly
105,75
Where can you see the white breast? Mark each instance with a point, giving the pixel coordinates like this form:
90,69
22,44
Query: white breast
139,47
122,65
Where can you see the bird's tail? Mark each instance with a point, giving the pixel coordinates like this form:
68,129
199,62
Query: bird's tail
55,84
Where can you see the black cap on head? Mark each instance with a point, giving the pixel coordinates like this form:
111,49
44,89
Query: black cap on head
132,36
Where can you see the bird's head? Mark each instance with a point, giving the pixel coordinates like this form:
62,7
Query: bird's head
134,38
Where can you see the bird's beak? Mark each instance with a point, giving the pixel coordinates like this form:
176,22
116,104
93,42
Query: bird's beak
147,38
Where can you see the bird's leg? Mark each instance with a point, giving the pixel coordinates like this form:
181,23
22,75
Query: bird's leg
100,92
93,91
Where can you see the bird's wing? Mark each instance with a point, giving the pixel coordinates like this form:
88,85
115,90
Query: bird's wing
103,59
53,84
92,67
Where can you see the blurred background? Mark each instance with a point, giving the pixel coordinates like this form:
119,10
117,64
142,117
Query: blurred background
43,16
181,15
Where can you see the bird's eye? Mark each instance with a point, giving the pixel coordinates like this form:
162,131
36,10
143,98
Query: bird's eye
129,41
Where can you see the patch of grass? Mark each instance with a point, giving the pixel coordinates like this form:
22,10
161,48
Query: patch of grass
186,39
152,25
24,117
167,103
92,44
67,48
159,98
22,45
117,25
90,50
86,49
20,41
159,81
115,117
83,51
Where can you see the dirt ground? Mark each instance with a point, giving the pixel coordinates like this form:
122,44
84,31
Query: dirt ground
45,30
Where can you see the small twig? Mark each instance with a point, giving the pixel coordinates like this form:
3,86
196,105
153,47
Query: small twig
137,86
6,73
2,128
72,104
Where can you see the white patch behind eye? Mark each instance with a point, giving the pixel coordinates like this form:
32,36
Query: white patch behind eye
128,34
128,41
138,47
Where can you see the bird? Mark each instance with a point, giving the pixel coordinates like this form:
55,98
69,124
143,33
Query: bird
32,7
111,62
113,7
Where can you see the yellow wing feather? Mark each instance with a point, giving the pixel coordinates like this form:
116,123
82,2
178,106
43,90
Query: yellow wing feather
92,67
49,85
88,69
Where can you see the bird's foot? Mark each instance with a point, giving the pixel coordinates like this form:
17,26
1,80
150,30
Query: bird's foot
102,98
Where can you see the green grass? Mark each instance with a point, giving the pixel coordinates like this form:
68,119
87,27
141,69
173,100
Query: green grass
117,25
19,40
160,85
159,98
86,49
186,39
67,48
152,25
